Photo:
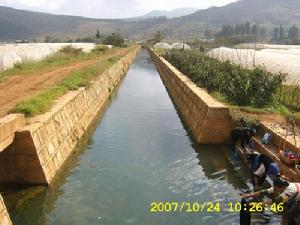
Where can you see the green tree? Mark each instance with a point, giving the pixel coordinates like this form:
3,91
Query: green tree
114,39
293,32
98,34
208,34
262,32
281,33
276,34
247,28
254,30
158,37
296,31
47,39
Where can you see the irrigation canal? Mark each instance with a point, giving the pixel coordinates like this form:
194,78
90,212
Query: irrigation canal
138,153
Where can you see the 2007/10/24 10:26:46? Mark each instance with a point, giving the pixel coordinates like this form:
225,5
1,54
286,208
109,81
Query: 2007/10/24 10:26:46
194,207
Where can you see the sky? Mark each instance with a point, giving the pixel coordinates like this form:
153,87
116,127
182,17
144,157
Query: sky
108,8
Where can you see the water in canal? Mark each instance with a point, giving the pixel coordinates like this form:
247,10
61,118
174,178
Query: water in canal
139,153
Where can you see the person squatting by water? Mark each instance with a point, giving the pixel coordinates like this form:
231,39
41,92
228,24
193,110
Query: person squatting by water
242,134
262,166
282,192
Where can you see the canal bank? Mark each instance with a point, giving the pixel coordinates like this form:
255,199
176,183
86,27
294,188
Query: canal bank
35,153
208,119
39,150
139,154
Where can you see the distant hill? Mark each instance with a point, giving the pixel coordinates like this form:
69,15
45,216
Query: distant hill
17,24
268,13
260,11
169,14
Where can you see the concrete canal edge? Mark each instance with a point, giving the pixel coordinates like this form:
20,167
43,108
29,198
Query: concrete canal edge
4,217
40,149
208,120
8,127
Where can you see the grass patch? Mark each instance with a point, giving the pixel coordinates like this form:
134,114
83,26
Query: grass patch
161,51
243,119
290,96
100,48
220,97
245,115
296,116
41,102
64,56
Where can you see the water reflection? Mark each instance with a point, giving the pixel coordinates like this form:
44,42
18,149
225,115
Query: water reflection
218,164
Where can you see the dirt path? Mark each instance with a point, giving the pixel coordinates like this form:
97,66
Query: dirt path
17,88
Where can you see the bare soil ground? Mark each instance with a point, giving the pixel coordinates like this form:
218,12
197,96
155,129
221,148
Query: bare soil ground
278,125
17,88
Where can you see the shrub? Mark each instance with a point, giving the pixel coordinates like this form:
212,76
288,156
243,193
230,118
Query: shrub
18,66
289,96
100,48
244,119
114,39
240,86
69,50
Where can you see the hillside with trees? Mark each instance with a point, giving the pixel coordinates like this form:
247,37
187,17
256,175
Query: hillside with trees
269,14
286,35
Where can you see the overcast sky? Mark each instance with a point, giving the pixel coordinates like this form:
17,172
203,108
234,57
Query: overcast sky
108,8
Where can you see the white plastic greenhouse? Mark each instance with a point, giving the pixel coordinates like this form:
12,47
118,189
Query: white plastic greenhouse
177,45
162,45
285,60
8,60
10,54
180,45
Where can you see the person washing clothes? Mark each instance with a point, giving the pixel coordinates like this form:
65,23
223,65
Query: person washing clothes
282,192
242,134
262,166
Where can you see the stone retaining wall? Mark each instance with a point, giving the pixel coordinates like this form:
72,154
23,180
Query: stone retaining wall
4,217
40,149
208,120
8,126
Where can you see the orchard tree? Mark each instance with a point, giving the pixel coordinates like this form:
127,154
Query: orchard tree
114,39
